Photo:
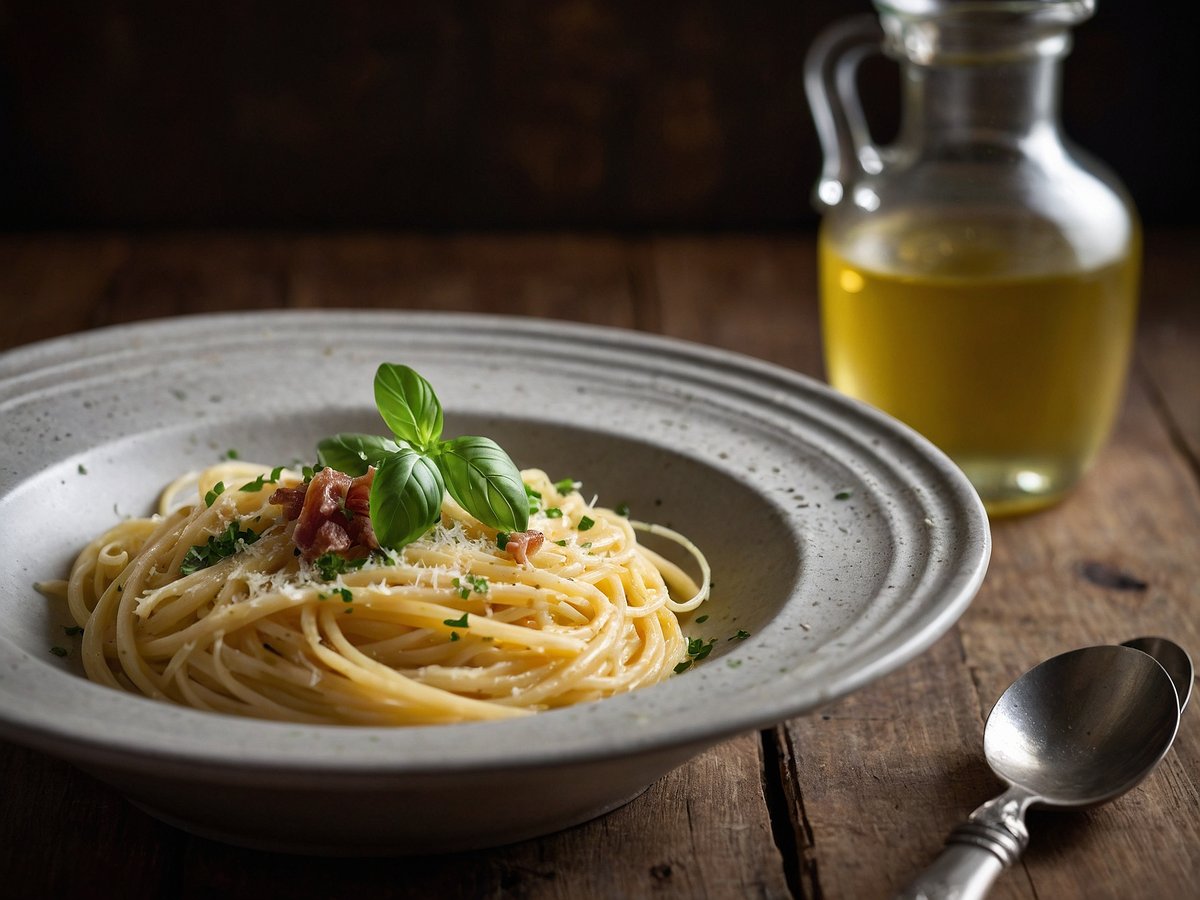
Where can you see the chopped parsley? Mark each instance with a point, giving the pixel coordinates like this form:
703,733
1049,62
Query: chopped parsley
81,469
476,583
217,490
330,565
72,630
700,620
565,485
623,510
347,597
231,454
554,513
218,547
697,649
501,539
842,495
59,651
258,483
740,636
456,623
453,636
562,543
533,497
586,523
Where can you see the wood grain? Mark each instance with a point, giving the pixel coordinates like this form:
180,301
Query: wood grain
847,803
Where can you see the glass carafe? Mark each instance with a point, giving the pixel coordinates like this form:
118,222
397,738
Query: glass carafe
978,276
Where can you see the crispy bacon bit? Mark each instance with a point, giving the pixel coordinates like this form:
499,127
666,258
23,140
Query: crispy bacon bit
333,513
523,544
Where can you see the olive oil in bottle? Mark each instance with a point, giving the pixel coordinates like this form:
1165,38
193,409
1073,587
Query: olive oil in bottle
1014,371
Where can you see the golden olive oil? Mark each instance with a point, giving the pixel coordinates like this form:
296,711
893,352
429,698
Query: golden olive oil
1016,376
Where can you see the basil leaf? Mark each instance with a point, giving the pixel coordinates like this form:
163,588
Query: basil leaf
406,497
408,405
485,482
353,453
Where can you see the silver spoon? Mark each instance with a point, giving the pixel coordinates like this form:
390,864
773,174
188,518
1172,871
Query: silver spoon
1077,730
1171,657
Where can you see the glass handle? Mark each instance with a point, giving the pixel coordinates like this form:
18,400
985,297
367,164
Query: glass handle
829,72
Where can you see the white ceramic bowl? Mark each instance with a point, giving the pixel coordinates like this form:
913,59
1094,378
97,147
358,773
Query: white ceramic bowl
841,541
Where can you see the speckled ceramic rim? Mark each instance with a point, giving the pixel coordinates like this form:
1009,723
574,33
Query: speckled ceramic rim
939,539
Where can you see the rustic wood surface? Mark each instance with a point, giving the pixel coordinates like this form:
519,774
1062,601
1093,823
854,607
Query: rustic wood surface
846,803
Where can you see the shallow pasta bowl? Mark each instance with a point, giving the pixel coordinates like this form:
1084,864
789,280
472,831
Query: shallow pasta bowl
842,545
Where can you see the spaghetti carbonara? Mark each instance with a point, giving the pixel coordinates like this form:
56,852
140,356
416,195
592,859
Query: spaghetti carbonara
211,604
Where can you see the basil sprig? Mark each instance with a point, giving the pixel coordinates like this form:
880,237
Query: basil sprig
415,469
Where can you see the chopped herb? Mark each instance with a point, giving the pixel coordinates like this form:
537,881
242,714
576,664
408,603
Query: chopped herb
308,473
842,495
502,539
453,636
81,469
698,648
700,620
740,636
347,597
59,651
217,490
586,523
586,546
562,543
565,485
554,513
533,497
456,623
258,483
330,565
231,454
72,630
623,510
476,583
683,666
218,547
733,663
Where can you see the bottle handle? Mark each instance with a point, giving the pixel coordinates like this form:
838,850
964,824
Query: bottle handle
829,72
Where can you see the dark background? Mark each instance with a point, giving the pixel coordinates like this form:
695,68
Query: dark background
450,115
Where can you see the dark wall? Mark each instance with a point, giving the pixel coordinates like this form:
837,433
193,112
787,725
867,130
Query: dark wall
561,113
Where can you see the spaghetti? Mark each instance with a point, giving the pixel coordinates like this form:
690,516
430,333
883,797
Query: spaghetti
210,604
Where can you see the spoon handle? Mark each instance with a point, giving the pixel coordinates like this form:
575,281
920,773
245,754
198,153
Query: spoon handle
976,852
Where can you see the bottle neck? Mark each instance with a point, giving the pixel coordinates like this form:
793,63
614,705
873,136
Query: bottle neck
998,105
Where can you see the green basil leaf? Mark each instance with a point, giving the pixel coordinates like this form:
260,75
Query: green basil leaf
406,498
353,453
408,405
485,482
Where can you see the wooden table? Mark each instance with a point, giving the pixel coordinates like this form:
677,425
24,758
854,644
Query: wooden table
847,803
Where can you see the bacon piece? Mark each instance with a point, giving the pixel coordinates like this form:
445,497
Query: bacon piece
332,513
523,544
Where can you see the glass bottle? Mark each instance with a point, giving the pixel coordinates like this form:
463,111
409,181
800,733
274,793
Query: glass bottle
979,276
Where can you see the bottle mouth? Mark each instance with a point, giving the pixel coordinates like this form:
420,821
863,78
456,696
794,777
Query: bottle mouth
979,32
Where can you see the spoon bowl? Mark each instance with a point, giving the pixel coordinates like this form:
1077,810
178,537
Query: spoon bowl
1076,730
1171,657
1083,727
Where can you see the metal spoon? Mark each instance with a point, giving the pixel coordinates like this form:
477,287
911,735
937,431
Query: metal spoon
1171,657
1077,730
